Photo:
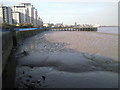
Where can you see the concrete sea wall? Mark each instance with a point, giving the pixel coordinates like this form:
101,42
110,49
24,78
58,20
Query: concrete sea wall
25,34
9,43
8,61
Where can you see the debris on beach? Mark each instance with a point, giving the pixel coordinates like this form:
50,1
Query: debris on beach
43,77
30,76
38,81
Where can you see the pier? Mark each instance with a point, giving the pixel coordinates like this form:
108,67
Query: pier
73,29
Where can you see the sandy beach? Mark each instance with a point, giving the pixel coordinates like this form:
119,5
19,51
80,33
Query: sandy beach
90,42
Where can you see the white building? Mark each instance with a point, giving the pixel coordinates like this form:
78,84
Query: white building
31,12
16,17
39,22
59,25
1,15
5,14
35,16
23,13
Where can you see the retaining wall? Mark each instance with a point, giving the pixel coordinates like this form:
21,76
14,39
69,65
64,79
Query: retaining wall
25,34
9,43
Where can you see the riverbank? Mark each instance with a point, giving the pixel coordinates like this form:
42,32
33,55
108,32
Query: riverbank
89,42
10,39
67,60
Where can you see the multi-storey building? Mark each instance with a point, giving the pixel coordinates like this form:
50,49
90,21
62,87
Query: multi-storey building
1,15
16,17
5,14
35,17
31,11
23,13
30,14
39,22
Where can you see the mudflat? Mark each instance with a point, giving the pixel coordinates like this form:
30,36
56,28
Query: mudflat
68,60
91,42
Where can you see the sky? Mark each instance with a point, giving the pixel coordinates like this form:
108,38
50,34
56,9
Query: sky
102,12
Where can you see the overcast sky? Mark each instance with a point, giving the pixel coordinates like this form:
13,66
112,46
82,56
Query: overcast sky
103,12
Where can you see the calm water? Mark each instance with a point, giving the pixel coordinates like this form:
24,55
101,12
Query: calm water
109,29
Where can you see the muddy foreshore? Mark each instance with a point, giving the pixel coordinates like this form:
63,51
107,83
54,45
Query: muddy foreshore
48,54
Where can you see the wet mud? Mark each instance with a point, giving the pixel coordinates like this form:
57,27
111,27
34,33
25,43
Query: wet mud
42,63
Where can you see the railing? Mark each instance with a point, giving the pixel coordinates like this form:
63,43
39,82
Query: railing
25,29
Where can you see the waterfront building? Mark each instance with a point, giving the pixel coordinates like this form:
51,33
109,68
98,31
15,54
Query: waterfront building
35,16
30,11
59,25
5,14
31,14
96,25
46,25
75,24
23,13
16,17
39,21
1,14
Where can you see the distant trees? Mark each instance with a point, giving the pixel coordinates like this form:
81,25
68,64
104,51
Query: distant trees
27,25
37,26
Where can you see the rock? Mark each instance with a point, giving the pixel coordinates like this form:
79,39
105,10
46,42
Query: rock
26,85
44,46
32,85
38,81
40,85
26,65
33,81
25,52
30,76
108,62
93,67
27,80
31,66
43,77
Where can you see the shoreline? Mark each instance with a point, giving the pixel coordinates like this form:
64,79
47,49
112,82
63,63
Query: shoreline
88,42
63,67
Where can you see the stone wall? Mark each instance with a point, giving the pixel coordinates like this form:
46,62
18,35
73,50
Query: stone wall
9,43
8,62
25,34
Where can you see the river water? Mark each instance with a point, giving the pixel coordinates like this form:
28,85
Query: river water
109,29
68,59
